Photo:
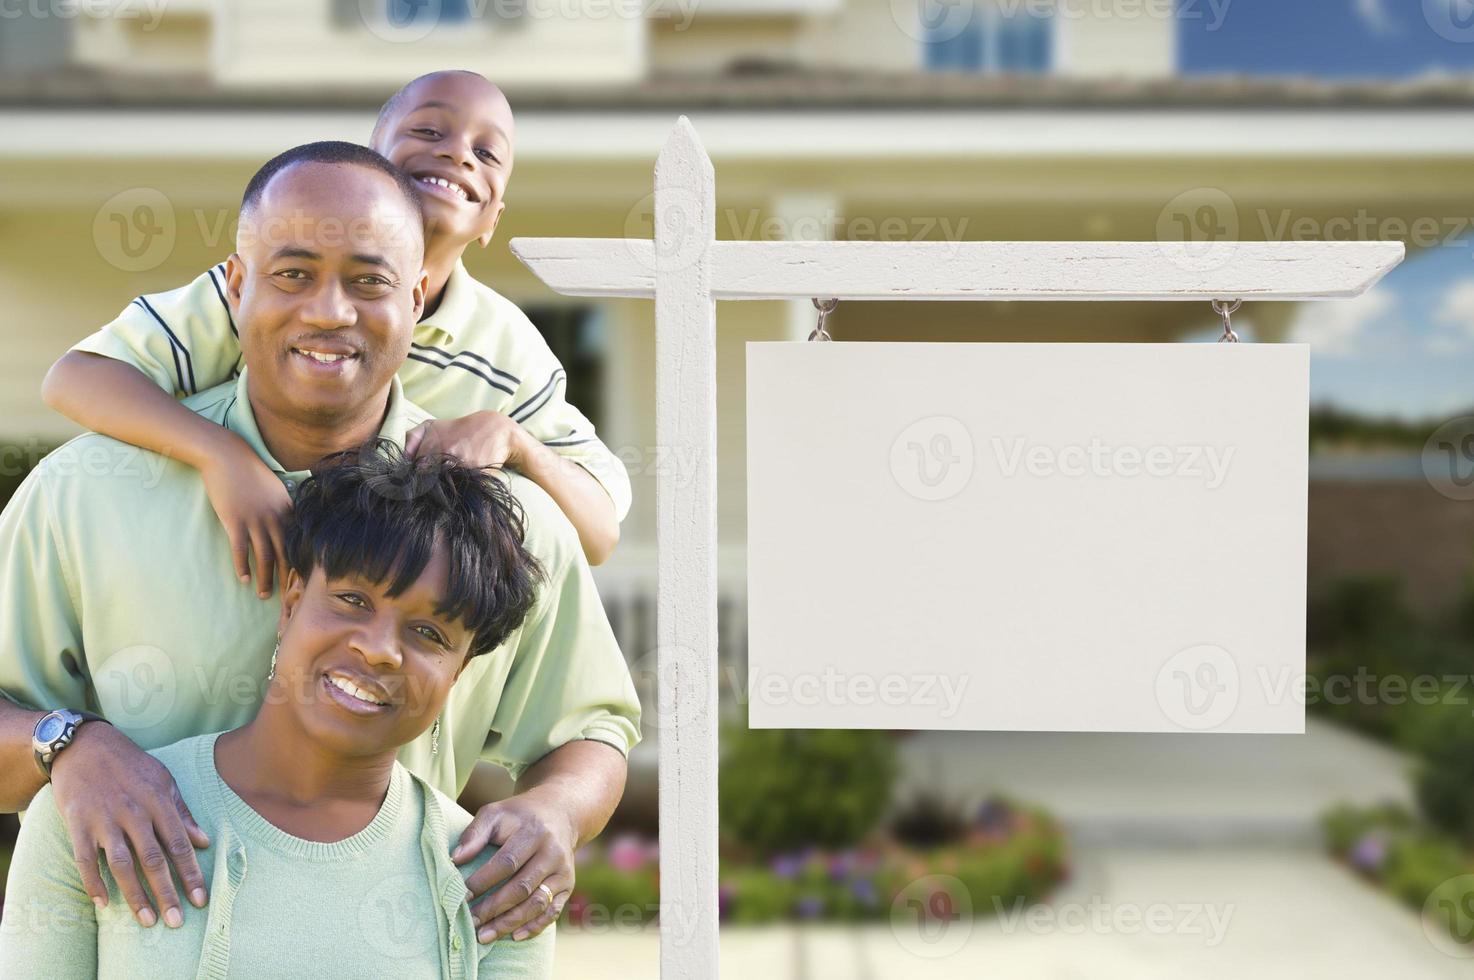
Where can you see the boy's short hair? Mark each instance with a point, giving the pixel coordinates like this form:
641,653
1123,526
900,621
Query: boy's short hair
374,513
332,152
392,104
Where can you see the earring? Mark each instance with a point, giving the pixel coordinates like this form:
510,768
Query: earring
435,738
272,673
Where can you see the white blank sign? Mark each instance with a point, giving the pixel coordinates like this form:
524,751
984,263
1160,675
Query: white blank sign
1027,537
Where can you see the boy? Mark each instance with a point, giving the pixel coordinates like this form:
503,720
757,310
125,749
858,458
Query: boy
477,363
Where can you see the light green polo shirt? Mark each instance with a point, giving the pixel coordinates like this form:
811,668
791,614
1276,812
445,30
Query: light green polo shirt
477,352
384,902
118,596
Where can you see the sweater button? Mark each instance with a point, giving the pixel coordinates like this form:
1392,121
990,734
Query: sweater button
455,943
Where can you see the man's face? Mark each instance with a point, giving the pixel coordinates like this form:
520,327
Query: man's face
453,128
326,286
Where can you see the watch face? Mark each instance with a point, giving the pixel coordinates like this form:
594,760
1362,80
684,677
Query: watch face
50,728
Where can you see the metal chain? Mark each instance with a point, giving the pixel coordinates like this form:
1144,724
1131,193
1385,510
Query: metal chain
1227,310
825,307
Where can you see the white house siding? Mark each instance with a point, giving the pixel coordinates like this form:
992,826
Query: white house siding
290,44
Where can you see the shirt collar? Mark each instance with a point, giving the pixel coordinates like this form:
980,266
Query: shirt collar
457,304
242,421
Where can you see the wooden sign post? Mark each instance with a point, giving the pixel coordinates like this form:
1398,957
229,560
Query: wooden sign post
686,270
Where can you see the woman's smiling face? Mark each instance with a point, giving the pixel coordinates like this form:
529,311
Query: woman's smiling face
365,671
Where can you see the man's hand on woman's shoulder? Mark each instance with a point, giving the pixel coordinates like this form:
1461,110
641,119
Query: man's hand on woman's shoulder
533,865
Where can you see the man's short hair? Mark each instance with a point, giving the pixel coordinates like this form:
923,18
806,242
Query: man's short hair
373,513
332,152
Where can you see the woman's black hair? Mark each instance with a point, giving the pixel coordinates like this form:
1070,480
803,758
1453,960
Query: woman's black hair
373,513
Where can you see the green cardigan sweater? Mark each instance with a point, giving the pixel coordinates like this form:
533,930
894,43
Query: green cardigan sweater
385,902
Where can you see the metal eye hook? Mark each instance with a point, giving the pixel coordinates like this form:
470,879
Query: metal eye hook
1227,310
825,307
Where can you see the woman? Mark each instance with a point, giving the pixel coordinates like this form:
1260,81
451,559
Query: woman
327,857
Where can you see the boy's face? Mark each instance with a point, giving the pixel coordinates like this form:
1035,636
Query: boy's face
456,128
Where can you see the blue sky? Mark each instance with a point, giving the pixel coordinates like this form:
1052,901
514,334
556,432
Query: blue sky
1407,347
1326,38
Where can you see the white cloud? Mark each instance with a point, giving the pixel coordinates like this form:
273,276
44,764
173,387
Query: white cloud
1374,15
1335,328
1455,315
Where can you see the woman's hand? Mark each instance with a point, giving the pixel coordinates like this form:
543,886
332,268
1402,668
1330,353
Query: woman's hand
537,840
115,797
479,439
252,505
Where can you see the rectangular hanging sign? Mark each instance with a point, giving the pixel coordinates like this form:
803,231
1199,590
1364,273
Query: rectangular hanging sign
1027,537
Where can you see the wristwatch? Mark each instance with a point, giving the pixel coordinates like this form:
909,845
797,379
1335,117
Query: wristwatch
54,732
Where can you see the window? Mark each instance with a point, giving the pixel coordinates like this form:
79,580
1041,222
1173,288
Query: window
986,38
577,337
400,15
1024,43
404,13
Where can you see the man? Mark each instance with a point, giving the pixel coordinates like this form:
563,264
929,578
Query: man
116,582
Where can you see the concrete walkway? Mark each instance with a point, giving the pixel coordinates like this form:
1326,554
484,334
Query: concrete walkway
1130,915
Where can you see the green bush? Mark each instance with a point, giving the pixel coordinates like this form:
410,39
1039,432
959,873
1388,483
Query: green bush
929,819
1420,863
782,790
1366,650
604,894
1412,861
1442,735
1014,855
1346,825
1445,785
1359,610
756,895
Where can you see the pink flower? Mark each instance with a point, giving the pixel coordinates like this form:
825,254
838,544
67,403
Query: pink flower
629,853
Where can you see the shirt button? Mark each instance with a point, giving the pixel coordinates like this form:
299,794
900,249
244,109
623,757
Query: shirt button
291,484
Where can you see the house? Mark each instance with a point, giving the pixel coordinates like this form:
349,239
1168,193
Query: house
132,125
